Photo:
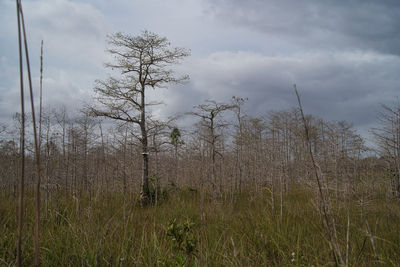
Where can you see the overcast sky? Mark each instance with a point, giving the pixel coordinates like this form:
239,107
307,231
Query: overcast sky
343,55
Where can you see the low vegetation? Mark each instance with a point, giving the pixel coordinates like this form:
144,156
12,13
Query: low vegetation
190,229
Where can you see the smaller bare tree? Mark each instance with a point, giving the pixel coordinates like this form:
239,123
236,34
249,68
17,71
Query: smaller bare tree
387,137
210,114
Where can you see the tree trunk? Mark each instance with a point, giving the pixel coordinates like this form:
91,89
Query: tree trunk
176,165
145,194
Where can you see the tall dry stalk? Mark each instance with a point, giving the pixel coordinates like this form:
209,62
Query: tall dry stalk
37,152
22,143
330,227
41,95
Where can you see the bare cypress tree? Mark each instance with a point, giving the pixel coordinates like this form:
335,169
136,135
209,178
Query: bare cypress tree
237,103
143,62
387,137
209,114
61,119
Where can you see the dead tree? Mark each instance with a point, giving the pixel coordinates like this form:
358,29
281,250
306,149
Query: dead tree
387,137
237,103
61,119
210,115
143,62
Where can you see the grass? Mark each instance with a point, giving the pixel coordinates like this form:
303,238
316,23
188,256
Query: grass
245,232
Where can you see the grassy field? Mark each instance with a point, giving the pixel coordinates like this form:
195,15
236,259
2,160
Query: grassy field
190,229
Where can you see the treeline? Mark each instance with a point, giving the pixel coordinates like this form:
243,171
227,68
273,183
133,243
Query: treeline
232,152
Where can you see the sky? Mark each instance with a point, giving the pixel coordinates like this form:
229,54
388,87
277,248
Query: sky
344,56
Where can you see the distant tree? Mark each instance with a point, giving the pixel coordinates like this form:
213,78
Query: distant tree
210,115
176,137
237,103
2,128
176,141
387,137
61,117
143,62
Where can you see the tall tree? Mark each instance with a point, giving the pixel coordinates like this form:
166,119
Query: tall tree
143,62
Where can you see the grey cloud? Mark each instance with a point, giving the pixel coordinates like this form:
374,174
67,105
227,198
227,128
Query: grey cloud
65,18
315,24
73,32
340,86
342,54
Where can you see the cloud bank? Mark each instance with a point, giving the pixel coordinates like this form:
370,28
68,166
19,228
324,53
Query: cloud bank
343,55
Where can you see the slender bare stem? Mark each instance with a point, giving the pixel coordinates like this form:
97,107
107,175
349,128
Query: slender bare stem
37,152
22,143
317,177
347,237
41,94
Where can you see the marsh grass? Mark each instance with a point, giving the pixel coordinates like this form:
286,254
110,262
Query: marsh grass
116,231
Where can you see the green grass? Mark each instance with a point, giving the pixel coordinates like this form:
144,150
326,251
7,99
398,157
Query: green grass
244,232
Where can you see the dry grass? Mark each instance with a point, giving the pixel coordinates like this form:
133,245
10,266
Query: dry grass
244,232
